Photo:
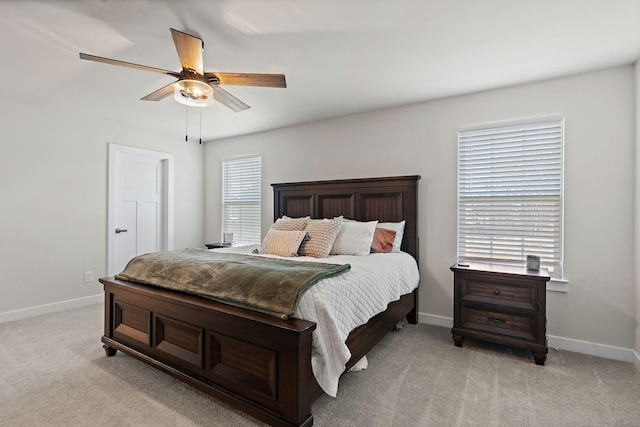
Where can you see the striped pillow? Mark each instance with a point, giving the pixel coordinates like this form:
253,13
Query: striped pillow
282,243
290,224
322,233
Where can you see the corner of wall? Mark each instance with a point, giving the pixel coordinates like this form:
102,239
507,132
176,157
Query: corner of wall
636,360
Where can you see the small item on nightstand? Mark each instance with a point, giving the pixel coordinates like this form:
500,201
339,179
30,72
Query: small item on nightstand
463,264
533,262
227,238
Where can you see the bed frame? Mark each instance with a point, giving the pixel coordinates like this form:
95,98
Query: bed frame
257,363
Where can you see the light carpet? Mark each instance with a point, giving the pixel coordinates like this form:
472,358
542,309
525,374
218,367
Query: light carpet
54,372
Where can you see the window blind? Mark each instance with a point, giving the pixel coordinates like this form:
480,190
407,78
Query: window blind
510,192
241,198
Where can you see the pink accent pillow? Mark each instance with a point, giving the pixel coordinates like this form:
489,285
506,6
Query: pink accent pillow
383,240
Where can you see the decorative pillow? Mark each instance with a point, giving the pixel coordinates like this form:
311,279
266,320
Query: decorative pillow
383,240
282,243
354,238
322,233
398,227
290,224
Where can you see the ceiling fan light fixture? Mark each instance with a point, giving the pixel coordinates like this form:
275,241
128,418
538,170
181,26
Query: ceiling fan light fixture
193,93
193,86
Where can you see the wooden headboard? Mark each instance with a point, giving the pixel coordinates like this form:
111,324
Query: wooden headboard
391,199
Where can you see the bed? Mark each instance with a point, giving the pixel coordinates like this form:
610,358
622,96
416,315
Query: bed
255,362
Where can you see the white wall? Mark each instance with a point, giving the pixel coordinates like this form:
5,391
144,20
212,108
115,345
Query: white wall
53,195
421,139
636,358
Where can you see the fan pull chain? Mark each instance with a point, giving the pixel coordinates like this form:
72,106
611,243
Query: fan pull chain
201,126
186,124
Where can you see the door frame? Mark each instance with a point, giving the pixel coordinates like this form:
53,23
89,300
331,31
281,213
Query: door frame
167,198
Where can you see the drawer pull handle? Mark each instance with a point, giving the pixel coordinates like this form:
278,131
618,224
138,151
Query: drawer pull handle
496,291
496,320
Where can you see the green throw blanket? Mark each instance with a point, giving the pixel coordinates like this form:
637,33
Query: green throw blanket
268,285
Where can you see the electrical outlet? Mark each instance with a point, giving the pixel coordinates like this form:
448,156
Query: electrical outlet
88,276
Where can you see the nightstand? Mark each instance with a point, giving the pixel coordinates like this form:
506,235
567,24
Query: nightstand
501,304
217,245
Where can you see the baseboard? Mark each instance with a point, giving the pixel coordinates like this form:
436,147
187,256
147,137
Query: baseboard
432,319
10,316
590,348
560,343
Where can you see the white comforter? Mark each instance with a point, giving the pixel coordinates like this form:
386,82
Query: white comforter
339,304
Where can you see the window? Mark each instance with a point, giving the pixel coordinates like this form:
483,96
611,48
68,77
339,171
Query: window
241,198
510,192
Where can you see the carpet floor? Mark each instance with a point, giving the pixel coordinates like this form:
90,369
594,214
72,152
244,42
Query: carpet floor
54,372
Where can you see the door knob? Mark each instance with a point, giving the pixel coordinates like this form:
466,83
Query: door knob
118,231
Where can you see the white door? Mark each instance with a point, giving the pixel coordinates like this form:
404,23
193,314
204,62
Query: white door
138,205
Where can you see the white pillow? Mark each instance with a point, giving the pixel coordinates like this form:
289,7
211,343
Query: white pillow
354,238
398,227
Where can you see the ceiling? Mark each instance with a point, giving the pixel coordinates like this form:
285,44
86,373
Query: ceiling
339,57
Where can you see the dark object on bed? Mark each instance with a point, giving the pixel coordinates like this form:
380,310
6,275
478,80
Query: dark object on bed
255,362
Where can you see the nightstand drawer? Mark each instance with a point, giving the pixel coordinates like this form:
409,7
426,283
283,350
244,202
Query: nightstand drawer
506,294
512,324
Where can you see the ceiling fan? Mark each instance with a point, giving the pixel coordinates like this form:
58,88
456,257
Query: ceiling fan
195,87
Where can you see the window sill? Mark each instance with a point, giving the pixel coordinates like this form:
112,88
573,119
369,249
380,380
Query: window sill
558,285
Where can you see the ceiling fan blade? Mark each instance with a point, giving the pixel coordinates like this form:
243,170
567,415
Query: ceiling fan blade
248,79
189,50
161,93
127,64
228,100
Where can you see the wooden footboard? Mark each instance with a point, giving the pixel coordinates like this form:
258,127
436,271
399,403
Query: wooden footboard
256,363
